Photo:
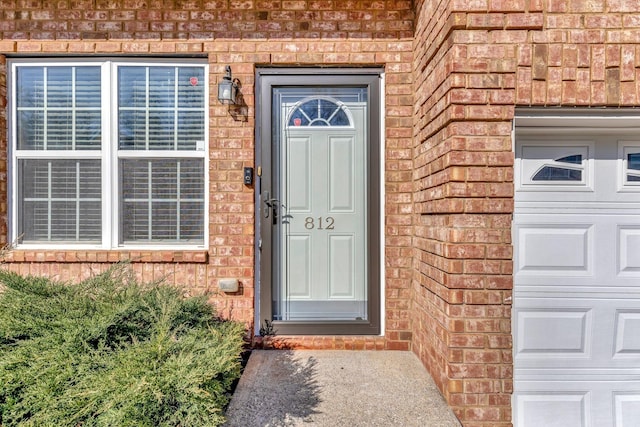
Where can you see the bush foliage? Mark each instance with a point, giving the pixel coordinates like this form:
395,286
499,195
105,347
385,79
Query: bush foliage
112,352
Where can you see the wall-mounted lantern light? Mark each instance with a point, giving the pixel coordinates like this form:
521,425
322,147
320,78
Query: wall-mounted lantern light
227,88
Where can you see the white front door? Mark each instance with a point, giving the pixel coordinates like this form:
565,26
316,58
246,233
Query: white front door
319,201
576,313
323,233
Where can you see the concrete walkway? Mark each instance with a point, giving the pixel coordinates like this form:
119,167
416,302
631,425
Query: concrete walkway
337,388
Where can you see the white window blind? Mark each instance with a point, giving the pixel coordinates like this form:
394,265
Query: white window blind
61,200
162,199
160,108
59,108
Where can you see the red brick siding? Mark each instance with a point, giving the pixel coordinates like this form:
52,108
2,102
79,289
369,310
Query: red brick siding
243,34
474,62
463,195
347,342
587,55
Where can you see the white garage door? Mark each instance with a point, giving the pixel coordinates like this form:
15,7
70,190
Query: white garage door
576,317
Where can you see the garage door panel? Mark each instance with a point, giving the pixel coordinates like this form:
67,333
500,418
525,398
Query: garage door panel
605,252
553,409
568,246
627,409
558,249
566,403
570,338
627,335
562,332
629,251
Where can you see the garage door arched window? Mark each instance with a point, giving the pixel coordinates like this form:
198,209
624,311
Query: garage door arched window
572,171
567,165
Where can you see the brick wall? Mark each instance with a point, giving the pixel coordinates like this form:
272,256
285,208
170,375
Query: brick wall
587,55
474,62
463,170
243,34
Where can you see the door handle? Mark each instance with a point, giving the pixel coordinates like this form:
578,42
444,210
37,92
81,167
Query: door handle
266,209
271,206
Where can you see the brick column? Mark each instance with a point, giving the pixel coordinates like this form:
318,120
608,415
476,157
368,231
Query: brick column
465,64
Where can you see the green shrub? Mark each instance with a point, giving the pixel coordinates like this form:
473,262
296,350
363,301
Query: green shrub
112,352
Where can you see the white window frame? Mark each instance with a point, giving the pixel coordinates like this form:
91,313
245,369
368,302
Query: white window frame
625,148
528,167
108,154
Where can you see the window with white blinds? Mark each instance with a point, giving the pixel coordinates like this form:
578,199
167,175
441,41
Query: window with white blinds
109,153
162,199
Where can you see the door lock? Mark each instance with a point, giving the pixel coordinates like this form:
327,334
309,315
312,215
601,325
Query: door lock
272,207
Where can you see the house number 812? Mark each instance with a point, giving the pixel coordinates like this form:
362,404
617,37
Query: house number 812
325,223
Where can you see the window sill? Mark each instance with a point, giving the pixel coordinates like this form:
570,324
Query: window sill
103,256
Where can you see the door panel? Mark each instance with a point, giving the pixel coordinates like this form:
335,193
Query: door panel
298,167
342,269
319,200
324,201
299,255
343,170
